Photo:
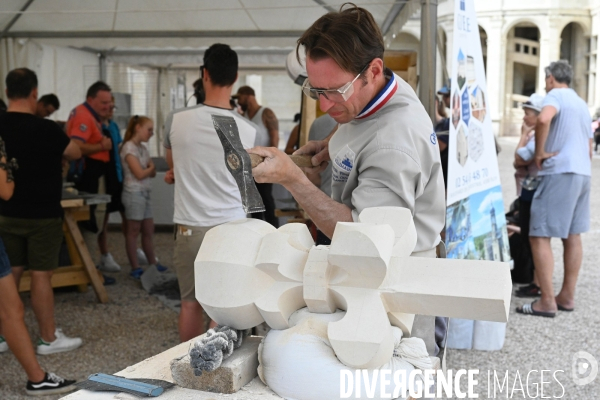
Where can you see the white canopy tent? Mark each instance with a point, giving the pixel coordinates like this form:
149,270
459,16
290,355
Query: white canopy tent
151,49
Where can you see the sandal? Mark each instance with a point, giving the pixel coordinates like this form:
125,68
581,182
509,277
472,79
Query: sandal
561,308
531,290
527,309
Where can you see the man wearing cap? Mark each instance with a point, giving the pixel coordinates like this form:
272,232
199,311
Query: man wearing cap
445,93
527,182
267,136
561,204
443,122
384,152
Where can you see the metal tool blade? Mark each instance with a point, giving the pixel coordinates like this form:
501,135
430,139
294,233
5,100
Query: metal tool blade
238,162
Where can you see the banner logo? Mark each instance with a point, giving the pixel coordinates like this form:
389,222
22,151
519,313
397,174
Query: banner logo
584,368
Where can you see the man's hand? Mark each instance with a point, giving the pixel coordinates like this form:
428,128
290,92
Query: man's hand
170,177
542,156
106,143
320,152
277,167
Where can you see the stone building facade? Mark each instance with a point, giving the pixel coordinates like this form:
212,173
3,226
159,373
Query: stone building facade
519,39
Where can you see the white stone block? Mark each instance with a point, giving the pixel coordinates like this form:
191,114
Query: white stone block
279,302
279,259
403,321
400,220
363,251
363,338
439,287
300,236
317,275
226,263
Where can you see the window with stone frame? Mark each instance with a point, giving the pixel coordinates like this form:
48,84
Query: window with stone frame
591,69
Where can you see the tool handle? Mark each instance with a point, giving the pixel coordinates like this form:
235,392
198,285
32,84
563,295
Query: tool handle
129,384
301,161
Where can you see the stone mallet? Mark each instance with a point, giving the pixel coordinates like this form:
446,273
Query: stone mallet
240,163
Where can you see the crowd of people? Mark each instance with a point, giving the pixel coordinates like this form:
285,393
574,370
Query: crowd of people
31,230
361,158
35,152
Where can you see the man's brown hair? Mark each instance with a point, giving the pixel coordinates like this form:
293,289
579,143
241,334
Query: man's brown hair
350,37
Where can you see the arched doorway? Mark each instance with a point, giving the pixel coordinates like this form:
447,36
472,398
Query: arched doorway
522,66
401,57
574,49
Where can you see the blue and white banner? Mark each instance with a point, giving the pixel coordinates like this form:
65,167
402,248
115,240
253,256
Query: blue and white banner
475,222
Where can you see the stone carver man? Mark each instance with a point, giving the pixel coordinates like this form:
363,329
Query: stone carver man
383,154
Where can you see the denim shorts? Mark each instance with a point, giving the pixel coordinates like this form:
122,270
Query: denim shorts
137,205
561,206
5,268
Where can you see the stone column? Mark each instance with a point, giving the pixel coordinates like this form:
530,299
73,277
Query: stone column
496,64
427,55
549,47
595,87
449,28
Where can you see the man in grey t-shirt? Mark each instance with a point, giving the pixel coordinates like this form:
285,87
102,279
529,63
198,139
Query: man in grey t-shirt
320,129
561,205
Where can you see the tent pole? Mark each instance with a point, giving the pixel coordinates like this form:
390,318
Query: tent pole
15,19
102,67
162,72
427,55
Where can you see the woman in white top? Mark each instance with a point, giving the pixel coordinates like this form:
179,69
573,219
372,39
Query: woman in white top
138,168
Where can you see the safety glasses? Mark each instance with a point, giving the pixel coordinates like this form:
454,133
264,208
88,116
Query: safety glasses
336,95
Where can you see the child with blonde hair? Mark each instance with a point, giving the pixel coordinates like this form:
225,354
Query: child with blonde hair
138,168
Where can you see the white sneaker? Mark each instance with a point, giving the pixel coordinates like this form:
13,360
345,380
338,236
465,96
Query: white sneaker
3,345
142,260
108,263
61,344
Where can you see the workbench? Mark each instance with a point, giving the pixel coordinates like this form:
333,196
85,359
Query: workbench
83,270
159,367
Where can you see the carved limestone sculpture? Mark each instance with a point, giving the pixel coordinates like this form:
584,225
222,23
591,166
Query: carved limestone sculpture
248,272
